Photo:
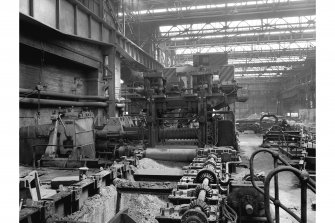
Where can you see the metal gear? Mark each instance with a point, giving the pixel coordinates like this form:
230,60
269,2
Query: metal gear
213,156
206,173
210,162
194,216
201,204
209,191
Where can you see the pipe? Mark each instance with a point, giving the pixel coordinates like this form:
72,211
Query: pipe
64,95
62,102
205,182
227,174
181,155
202,194
239,161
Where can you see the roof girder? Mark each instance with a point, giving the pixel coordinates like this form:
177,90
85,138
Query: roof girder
208,15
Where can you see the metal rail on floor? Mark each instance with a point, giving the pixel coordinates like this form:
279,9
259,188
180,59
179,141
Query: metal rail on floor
305,182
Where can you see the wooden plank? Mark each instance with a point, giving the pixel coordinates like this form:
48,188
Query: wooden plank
26,212
144,186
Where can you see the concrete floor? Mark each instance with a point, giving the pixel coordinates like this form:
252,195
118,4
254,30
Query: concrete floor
288,183
142,212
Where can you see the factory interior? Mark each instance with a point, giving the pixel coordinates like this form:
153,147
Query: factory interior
159,111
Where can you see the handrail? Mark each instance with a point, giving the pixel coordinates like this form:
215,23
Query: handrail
267,197
284,135
303,176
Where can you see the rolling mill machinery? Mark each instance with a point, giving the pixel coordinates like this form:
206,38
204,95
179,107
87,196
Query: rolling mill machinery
72,140
67,142
193,108
186,107
120,138
190,106
207,192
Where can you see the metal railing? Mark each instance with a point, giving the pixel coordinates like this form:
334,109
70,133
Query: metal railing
303,176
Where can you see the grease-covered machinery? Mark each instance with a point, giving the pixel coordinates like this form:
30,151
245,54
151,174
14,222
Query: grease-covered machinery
121,137
71,140
197,109
208,193
289,139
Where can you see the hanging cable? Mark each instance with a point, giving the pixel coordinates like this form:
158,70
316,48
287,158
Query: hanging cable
38,87
228,212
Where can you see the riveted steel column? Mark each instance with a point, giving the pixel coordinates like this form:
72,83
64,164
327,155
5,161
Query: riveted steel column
31,8
111,52
58,14
202,113
151,119
111,82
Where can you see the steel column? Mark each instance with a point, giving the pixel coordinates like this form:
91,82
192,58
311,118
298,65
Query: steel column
111,82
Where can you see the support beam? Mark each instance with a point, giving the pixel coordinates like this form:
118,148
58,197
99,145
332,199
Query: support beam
231,13
110,76
283,71
159,4
228,41
57,14
266,64
237,31
82,30
56,48
31,8
257,54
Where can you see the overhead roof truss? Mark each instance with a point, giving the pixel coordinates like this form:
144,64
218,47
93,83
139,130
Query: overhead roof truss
256,33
